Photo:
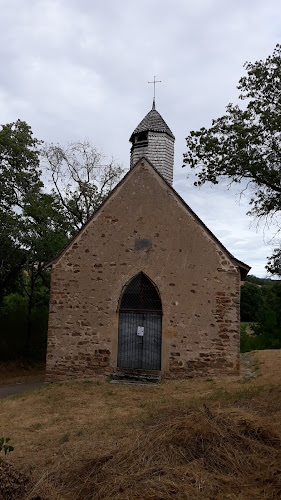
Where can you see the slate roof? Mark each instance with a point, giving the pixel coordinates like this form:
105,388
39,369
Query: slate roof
153,122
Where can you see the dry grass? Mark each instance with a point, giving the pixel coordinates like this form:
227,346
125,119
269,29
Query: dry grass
196,454
95,440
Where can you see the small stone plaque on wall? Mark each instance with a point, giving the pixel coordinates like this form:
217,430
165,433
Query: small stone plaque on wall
142,243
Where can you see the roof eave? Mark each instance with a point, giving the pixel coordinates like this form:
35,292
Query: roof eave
153,130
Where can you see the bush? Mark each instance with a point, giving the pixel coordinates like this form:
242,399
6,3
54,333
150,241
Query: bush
5,447
14,328
251,301
266,314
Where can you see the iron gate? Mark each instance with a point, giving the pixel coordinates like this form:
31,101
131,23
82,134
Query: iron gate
140,307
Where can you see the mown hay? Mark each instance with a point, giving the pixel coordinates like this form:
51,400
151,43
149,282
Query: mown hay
200,454
13,484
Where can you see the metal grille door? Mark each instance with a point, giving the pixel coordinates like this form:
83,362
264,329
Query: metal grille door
140,326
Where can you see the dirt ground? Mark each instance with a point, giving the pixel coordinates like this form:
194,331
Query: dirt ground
17,372
268,364
91,430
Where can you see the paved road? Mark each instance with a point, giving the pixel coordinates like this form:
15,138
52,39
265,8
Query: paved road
9,390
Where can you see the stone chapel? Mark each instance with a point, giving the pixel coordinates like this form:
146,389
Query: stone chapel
145,287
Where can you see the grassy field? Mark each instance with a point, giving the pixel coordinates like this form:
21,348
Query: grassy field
208,439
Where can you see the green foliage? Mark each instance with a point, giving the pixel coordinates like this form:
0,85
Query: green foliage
274,262
250,342
258,342
5,447
14,327
269,319
245,143
251,301
260,281
32,229
19,165
19,183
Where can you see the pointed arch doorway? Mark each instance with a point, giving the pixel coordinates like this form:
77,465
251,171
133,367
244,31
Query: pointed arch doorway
140,326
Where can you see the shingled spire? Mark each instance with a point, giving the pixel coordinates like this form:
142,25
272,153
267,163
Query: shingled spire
153,139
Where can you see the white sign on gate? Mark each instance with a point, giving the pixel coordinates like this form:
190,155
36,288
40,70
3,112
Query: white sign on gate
140,331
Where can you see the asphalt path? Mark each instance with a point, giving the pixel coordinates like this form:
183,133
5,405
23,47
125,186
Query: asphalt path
10,390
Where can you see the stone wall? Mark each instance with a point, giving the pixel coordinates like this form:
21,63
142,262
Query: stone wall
197,281
159,151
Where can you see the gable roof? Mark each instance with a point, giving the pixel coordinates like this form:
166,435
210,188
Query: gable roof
152,122
244,268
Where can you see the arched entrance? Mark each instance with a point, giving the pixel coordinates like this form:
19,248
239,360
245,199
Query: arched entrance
140,326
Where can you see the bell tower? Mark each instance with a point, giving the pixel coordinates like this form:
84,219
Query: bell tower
154,140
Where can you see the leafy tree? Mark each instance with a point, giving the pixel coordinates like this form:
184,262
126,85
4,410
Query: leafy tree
36,224
269,318
81,179
274,262
264,308
12,255
45,233
251,301
259,281
19,165
19,183
245,143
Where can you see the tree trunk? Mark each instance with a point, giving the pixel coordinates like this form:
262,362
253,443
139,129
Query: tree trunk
28,348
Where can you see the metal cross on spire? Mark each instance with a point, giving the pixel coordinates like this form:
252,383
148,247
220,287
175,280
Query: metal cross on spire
154,82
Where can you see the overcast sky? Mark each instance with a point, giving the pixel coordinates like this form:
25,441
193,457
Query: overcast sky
79,68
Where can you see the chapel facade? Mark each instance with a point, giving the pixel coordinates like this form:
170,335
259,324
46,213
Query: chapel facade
145,287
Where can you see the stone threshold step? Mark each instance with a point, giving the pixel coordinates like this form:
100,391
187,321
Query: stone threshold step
134,382
133,378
